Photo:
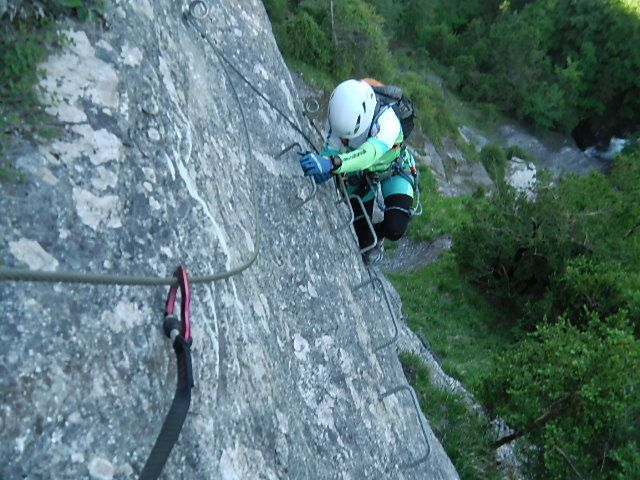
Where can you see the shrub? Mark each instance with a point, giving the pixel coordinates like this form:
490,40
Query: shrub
276,9
573,392
512,247
432,115
361,46
518,152
305,41
494,160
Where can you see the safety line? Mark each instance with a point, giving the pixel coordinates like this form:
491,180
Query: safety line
18,274
218,52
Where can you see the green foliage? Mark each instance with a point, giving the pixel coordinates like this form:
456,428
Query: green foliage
349,43
276,9
361,46
432,114
494,160
572,247
518,152
390,11
464,434
307,42
23,44
511,246
574,393
544,61
83,10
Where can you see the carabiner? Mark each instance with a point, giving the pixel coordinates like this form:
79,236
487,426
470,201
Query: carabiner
170,322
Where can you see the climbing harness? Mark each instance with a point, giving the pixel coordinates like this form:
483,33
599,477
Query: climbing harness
363,181
179,331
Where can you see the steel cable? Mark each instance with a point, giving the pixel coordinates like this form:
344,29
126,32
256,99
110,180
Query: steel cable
18,274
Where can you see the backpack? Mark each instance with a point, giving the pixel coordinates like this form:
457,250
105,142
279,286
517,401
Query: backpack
393,96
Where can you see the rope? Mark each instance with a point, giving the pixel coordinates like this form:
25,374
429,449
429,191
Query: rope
26,275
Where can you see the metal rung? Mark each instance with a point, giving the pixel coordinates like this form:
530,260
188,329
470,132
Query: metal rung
343,199
369,224
416,405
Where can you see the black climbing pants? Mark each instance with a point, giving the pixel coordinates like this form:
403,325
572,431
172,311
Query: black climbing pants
392,227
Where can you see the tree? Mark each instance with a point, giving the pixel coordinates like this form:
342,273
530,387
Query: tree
361,49
574,394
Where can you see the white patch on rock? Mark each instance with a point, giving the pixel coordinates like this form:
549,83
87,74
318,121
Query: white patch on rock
166,78
32,253
258,69
125,316
77,457
67,113
172,169
20,441
324,413
144,7
153,134
104,179
274,167
287,94
100,146
131,56
193,193
242,463
149,174
77,74
94,210
126,470
48,176
154,204
263,115
249,239
101,469
312,290
103,44
300,347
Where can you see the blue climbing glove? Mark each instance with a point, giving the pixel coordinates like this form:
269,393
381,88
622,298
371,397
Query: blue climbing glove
314,164
322,177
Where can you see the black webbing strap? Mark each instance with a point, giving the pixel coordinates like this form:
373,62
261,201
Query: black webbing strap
177,413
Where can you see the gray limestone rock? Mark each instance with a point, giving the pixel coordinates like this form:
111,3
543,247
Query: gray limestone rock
153,170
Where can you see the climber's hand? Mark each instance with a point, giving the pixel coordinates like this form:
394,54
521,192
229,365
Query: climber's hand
322,177
314,164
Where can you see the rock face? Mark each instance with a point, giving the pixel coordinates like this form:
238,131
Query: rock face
153,170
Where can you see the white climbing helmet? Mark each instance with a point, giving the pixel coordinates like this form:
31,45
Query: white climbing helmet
351,108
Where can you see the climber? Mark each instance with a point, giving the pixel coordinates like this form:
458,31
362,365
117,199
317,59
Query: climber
365,142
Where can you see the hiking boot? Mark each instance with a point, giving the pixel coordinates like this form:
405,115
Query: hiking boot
373,256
